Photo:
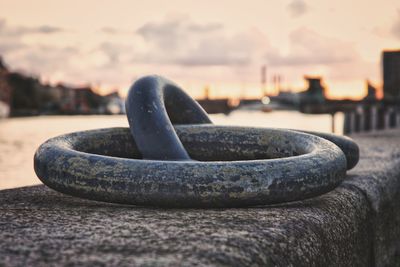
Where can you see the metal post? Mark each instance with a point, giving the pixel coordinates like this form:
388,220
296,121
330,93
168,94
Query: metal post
352,122
374,118
361,118
347,124
380,118
398,117
392,118
386,117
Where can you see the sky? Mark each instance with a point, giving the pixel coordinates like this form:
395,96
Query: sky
220,44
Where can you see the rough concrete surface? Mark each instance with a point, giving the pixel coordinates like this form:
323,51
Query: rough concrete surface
357,224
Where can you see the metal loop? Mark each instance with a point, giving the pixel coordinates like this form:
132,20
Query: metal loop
152,106
249,166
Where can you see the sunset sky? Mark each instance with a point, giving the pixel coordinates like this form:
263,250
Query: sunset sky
221,43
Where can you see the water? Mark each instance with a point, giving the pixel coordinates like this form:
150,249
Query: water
20,137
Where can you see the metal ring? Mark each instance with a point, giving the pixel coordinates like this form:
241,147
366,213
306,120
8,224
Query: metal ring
236,167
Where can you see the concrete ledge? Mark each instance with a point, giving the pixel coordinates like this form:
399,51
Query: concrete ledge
357,224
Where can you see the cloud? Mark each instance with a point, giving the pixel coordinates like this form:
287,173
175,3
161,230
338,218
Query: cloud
11,36
46,58
2,24
170,32
112,51
199,28
113,31
8,43
109,30
17,31
183,42
44,29
7,46
395,30
117,53
315,54
13,43
179,48
309,48
47,29
297,8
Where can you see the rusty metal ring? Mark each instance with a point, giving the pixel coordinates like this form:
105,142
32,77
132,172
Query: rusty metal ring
235,167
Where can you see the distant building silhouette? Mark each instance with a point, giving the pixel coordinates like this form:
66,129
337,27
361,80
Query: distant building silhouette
86,100
315,92
5,91
22,95
2,66
371,92
391,74
206,92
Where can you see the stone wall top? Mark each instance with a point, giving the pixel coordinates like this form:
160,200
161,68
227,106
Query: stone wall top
353,225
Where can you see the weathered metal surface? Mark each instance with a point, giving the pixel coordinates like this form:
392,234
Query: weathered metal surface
219,166
346,144
234,167
146,106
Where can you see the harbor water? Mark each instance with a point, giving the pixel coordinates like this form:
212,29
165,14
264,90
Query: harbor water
20,137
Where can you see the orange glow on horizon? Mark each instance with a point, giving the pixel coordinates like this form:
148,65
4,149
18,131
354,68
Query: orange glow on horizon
334,90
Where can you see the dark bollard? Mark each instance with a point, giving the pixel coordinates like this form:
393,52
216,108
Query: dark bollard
381,112
206,166
357,122
397,118
347,124
392,118
374,117
367,118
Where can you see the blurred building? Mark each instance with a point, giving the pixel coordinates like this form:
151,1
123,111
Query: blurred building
391,74
24,95
29,96
5,91
315,92
371,92
312,96
87,101
114,104
65,98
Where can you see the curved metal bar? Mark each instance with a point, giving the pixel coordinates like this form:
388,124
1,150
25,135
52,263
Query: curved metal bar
346,144
152,106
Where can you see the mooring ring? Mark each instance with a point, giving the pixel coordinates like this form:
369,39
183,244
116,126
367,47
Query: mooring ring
284,166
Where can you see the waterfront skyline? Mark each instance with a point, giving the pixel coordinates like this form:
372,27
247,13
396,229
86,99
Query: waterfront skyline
221,45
